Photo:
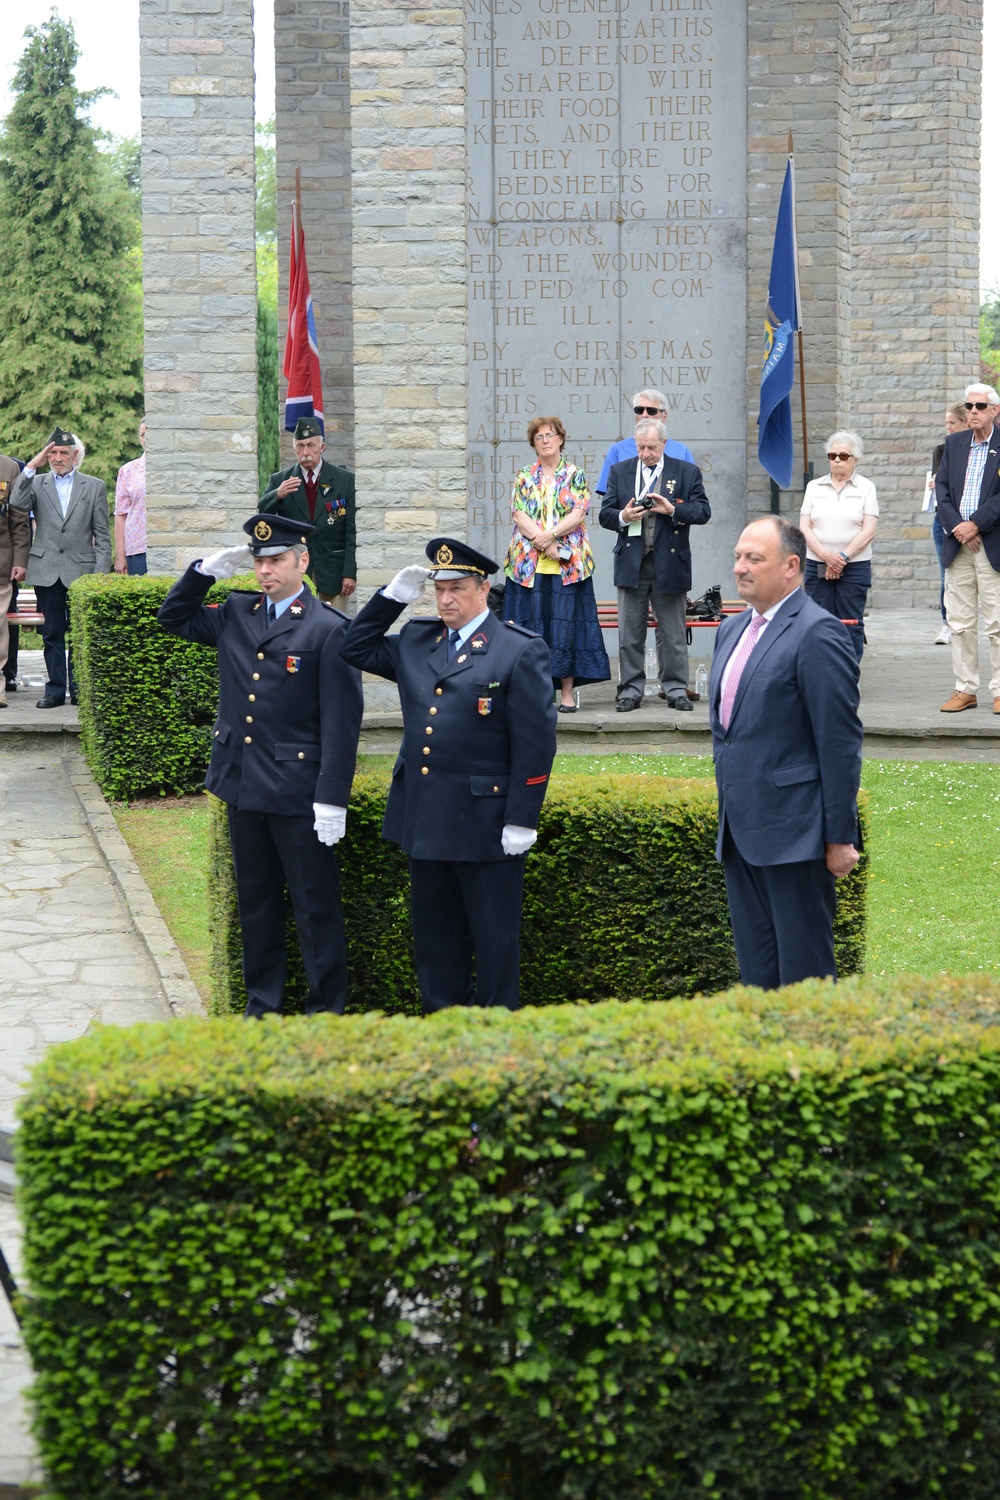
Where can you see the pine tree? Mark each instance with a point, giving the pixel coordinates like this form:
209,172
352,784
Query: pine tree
70,316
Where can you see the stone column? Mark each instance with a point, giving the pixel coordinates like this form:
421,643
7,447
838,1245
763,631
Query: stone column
799,63
199,274
410,322
313,133
915,285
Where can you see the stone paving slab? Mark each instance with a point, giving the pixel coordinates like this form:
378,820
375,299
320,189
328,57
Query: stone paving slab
72,956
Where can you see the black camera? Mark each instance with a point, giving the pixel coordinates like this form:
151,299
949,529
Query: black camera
645,503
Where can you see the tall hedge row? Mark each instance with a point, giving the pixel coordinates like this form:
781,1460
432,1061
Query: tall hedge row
623,899
744,1248
147,699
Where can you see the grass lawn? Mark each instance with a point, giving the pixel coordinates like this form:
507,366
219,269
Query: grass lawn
935,835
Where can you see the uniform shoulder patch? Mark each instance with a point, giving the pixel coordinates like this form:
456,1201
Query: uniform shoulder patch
335,611
531,634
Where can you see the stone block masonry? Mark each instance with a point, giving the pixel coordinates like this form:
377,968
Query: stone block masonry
199,274
409,251
313,132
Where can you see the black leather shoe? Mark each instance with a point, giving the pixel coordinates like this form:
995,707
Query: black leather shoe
9,686
73,699
626,705
48,702
680,702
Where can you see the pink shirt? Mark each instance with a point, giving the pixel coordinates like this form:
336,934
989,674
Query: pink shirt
130,502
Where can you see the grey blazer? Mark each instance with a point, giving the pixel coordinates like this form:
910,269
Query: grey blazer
64,547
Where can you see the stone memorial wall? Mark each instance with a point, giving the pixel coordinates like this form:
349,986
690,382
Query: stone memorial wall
606,242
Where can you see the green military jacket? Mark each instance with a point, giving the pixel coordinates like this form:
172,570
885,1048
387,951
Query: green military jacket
332,550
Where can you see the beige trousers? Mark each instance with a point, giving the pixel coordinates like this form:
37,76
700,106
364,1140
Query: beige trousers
971,585
339,601
5,596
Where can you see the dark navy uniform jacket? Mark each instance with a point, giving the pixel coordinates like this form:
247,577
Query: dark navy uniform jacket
289,705
479,731
682,484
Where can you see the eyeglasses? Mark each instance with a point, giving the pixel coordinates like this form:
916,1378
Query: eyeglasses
844,457
976,405
646,411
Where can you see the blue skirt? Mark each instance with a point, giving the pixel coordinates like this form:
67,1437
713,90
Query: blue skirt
566,616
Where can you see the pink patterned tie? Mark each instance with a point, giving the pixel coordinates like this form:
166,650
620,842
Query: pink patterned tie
747,642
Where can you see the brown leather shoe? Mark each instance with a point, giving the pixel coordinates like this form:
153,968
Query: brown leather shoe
958,701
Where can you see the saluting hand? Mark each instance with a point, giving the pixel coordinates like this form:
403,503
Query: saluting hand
288,485
408,584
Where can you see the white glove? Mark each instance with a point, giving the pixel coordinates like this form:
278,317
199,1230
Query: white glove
227,563
408,584
517,840
331,822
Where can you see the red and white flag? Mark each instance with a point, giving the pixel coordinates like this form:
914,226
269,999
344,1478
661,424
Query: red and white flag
304,397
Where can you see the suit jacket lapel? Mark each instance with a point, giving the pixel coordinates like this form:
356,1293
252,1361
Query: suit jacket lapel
992,460
74,495
467,652
775,628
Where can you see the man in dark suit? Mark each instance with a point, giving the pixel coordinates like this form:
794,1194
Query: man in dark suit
72,537
284,747
968,507
479,737
15,539
651,502
783,703
322,495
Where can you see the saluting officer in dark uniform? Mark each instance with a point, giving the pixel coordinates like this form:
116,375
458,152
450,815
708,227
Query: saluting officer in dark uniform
284,748
479,736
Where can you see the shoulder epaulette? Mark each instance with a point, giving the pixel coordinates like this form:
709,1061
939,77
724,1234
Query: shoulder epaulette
335,611
531,634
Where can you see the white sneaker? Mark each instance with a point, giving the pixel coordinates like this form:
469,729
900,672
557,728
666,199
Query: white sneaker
943,637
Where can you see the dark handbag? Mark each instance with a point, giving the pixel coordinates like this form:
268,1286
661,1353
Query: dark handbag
707,607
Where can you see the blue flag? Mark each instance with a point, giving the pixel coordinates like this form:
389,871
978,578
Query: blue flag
775,447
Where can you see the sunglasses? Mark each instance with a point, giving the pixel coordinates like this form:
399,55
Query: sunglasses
976,405
842,456
646,411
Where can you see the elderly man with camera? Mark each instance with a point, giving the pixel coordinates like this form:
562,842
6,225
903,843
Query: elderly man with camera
651,502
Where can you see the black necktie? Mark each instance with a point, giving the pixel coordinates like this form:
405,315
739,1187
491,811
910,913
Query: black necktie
452,643
270,615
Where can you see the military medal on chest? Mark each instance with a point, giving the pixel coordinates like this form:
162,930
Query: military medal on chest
485,706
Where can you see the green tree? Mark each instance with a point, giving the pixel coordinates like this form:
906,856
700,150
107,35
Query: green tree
989,338
70,316
267,304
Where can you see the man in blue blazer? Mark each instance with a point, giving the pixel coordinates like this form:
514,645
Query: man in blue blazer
652,501
479,738
783,702
968,507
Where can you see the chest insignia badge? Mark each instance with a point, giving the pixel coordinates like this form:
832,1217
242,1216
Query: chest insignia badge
292,663
461,658
485,706
479,642
295,610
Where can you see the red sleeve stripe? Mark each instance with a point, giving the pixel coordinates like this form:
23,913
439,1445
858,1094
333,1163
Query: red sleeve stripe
535,780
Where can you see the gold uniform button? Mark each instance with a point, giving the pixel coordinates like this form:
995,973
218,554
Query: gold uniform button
247,740
427,749
302,755
429,729
438,692
249,718
423,770
252,698
216,734
260,656
256,677
432,710
496,788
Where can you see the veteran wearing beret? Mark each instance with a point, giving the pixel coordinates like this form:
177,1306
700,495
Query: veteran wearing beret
322,494
284,747
479,737
72,537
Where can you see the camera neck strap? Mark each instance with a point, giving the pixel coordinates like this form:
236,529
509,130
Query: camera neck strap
642,490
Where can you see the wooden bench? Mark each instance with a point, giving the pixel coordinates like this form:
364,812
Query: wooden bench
607,616
31,614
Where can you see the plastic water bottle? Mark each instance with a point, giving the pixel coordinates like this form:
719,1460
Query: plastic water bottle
652,672
701,681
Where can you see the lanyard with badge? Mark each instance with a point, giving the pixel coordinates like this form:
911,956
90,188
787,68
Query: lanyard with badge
635,527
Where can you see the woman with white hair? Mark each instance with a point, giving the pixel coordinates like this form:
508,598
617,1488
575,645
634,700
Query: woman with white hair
839,517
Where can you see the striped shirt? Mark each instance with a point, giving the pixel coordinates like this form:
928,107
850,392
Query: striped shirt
974,475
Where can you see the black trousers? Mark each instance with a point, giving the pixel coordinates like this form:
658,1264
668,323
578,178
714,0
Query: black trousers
270,851
782,918
460,911
53,601
14,641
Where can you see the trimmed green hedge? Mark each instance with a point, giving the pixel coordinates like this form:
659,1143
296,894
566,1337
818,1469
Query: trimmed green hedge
623,899
147,699
746,1248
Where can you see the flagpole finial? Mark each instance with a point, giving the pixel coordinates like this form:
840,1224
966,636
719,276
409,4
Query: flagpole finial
791,148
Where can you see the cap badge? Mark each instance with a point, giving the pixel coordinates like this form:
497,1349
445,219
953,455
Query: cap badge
444,557
262,531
